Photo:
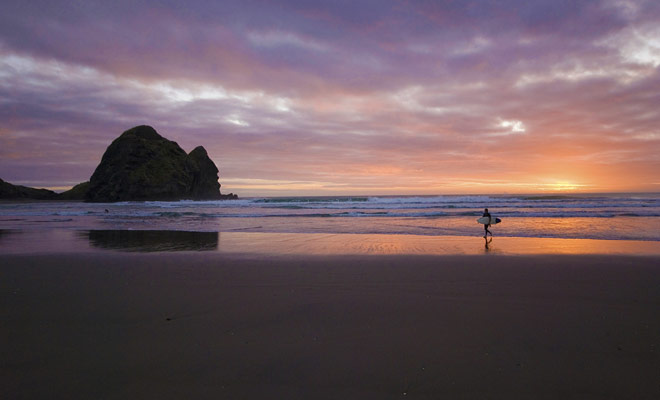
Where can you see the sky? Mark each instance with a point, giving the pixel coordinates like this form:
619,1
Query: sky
305,97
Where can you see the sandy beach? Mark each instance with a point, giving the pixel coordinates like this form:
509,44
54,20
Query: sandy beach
113,325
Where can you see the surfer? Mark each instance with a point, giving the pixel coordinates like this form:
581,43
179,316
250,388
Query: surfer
486,231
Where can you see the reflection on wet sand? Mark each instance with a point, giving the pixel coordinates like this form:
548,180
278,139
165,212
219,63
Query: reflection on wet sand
488,242
5,233
8,235
62,241
150,241
334,244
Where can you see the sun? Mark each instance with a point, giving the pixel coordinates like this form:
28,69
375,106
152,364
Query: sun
563,186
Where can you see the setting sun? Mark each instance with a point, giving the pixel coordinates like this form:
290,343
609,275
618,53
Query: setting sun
564,186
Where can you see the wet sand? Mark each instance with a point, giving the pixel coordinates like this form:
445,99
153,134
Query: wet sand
111,325
49,241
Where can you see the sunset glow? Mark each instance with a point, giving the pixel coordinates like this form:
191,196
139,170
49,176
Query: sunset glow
306,97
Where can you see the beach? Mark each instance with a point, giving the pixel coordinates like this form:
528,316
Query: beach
338,325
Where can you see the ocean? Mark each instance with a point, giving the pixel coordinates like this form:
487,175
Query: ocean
583,216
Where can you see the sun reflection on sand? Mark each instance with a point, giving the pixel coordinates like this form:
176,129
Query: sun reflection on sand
376,244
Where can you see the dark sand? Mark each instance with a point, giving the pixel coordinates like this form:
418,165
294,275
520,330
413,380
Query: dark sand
210,325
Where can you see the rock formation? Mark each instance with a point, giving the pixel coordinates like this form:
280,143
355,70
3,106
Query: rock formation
138,165
142,165
205,176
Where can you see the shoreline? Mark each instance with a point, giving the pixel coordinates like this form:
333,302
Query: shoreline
56,241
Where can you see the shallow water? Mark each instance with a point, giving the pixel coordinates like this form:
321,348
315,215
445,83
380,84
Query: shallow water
603,216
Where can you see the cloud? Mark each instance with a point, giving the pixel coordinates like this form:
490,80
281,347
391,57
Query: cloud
420,96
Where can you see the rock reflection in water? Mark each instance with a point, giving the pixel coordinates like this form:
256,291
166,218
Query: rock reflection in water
149,241
5,233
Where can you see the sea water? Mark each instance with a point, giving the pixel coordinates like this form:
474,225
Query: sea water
584,216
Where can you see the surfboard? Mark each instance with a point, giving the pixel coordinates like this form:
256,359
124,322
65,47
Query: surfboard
485,220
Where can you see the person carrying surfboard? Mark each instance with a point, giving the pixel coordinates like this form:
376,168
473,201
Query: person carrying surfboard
486,231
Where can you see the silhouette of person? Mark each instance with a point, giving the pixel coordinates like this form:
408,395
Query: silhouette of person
486,226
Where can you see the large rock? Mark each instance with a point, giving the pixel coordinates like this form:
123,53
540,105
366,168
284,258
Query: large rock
142,165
